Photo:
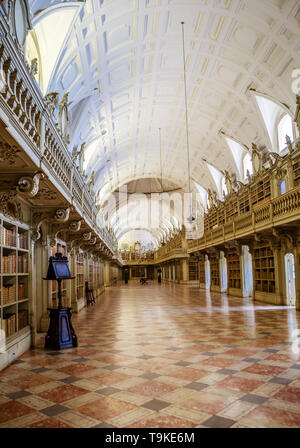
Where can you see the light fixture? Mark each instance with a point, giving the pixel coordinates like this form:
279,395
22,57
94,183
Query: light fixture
161,178
191,217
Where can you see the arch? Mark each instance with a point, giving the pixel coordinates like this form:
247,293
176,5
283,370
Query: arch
285,127
271,112
52,28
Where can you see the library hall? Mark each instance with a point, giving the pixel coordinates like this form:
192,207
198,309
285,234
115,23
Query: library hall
149,214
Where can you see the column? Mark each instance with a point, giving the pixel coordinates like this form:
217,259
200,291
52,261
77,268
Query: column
107,281
43,253
279,274
73,283
207,272
184,271
223,273
297,274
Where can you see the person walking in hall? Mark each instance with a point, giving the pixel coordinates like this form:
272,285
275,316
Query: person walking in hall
159,276
126,275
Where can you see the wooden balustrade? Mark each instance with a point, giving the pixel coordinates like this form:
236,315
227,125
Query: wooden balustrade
22,101
276,211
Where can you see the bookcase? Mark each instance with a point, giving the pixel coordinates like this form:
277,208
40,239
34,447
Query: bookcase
244,202
62,248
264,269
215,273
260,191
202,276
231,209
14,278
211,220
193,271
99,278
202,279
80,287
139,271
296,171
234,273
91,274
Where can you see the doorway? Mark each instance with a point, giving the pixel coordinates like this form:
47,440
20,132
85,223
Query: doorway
290,280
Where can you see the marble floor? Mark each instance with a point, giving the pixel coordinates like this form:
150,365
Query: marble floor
167,356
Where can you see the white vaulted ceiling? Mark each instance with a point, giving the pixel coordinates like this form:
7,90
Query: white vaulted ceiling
122,63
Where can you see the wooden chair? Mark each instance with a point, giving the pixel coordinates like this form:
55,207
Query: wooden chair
89,295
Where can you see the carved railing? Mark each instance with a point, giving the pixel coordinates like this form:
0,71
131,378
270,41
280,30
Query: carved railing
262,214
286,204
285,208
137,257
22,101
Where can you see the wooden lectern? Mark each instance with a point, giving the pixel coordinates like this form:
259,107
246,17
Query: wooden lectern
60,333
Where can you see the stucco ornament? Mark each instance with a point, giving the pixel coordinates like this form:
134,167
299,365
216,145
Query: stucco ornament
62,215
29,186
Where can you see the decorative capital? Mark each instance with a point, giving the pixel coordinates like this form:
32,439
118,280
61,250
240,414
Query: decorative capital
87,236
35,235
9,205
62,215
93,241
75,225
29,186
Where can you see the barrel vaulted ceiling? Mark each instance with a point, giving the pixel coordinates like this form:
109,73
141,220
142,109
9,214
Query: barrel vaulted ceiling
121,61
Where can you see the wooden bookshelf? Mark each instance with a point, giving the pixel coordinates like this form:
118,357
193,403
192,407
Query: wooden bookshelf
211,220
14,277
264,270
296,171
234,271
193,271
80,289
244,202
138,271
261,191
202,278
215,271
91,278
231,209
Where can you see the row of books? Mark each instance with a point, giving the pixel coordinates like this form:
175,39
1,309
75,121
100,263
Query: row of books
8,237
8,294
22,319
9,324
22,237
264,275
9,264
21,291
234,283
262,263
264,252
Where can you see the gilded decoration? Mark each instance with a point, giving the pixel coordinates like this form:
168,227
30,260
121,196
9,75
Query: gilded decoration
8,154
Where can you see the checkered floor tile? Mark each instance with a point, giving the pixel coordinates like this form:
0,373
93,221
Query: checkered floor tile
162,356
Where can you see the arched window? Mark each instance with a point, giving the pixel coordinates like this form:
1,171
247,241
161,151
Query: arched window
285,127
247,162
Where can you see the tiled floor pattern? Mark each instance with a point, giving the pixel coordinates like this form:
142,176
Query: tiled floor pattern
162,356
